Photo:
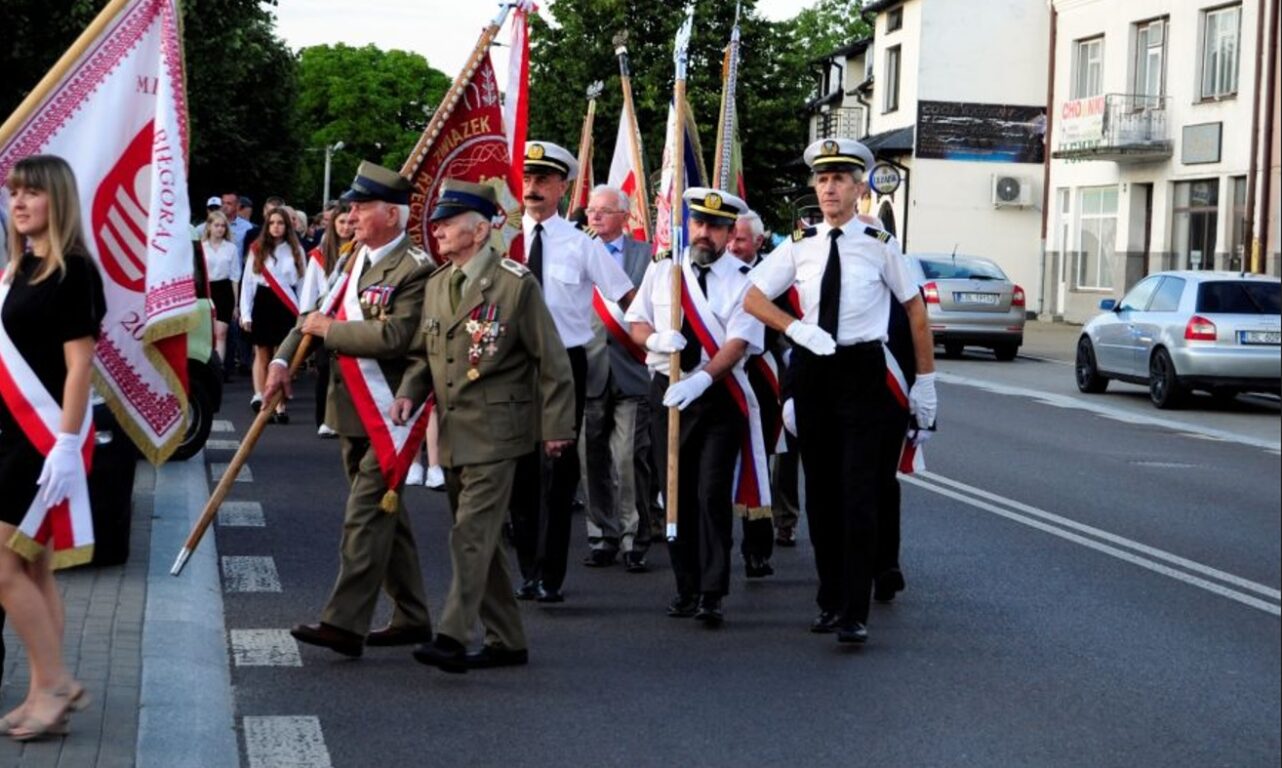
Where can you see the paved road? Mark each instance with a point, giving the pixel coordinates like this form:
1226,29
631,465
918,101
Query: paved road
1082,591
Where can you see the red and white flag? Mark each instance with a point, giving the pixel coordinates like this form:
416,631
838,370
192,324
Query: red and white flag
625,170
114,107
516,108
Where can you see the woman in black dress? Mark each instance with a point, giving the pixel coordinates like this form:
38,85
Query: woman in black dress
52,308
269,297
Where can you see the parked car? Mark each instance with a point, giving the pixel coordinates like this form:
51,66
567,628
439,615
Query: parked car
1182,331
970,302
204,369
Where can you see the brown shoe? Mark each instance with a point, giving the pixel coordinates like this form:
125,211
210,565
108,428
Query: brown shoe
389,636
333,638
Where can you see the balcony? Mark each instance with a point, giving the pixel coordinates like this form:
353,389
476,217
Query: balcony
1121,127
837,122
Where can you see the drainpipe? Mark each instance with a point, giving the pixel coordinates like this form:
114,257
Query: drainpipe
859,99
1266,192
1252,183
1046,164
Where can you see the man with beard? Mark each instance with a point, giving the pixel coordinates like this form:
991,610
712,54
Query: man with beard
713,344
568,264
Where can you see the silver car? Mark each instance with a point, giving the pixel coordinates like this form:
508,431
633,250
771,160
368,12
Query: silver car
1183,331
970,301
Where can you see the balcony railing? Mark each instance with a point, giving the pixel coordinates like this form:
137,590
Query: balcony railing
839,122
1122,127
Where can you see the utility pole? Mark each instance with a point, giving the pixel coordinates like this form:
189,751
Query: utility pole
330,149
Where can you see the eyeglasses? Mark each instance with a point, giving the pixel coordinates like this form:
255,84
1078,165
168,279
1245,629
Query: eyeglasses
603,211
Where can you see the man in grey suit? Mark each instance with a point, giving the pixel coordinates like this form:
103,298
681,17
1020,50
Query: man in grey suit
616,423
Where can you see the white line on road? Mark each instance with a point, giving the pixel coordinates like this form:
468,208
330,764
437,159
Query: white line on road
249,574
264,648
219,468
222,445
241,514
969,497
221,425
285,742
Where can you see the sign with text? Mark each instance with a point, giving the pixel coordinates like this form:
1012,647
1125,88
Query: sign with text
884,179
992,133
1081,121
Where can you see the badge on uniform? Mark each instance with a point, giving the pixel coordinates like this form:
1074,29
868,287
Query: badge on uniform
377,298
483,329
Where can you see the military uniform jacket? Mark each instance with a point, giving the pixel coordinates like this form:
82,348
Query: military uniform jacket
522,390
395,287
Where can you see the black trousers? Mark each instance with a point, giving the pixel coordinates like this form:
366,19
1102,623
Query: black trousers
712,431
543,497
851,432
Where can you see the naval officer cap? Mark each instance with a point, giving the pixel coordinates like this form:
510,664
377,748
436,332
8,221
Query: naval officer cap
839,155
714,206
458,196
374,182
545,157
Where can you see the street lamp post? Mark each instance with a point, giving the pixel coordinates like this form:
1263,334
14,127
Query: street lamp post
330,149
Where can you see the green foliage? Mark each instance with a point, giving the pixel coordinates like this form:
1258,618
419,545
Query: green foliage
376,102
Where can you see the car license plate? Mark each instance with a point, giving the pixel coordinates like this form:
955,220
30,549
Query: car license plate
1273,338
989,299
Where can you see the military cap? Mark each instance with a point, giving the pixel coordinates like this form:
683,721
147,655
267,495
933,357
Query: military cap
542,156
374,182
839,155
713,205
458,196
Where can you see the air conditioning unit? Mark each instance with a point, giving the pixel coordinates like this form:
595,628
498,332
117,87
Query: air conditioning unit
1011,191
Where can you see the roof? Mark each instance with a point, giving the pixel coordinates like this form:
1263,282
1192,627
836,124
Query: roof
898,141
853,48
1203,275
877,6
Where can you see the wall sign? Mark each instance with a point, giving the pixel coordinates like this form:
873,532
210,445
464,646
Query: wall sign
884,179
992,133
1201,143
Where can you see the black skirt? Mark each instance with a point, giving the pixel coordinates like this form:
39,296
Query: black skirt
224,300
20,465
272,320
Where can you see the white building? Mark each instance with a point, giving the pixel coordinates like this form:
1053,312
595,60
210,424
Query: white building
1151,116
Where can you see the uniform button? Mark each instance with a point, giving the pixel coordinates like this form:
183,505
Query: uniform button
449,359
450,335
449,383
449,407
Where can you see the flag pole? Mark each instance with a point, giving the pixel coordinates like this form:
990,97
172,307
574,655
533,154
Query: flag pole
634,134
416,157
677,210
726,124
585,147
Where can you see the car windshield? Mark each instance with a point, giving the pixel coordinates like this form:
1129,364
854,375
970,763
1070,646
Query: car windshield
961,268
1240,297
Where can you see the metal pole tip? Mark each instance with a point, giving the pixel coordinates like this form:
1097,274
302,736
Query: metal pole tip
181,561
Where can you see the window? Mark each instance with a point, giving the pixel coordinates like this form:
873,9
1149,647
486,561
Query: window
1240,297
1065,196
1096,236
1167,298
1196,212
1150,46
1088,67
1220,29
892,79
895,19
1136,300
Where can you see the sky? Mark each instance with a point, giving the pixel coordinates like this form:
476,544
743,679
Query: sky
444,31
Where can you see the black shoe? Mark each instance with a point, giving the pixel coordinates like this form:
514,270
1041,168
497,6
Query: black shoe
445,653
683,606
491,656
576,505
825,623
710,611
280,417
331,637
529,590
786,537
634,562
887,585
855,633
756,567
390,636
599,558
549,594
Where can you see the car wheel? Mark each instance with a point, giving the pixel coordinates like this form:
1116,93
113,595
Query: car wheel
1006,352
1088,376
1164,387
953,349
200,420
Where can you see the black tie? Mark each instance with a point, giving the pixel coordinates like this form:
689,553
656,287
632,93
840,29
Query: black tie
692,354
535,260
830,289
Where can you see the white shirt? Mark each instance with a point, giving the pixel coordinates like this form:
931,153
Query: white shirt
572,264
871,272
375,255
222,261
726,288
281,263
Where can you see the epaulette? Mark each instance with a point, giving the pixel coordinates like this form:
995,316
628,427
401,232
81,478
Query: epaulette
420,256
664,254
438,270
880,234
801,234
515,267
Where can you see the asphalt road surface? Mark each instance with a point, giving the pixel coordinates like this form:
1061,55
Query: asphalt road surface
1083,589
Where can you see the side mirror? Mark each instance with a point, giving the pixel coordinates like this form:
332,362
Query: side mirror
1108,305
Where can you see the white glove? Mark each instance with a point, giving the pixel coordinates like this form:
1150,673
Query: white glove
812,337
790,417
921,400
60,469
921,436
687,390
665,342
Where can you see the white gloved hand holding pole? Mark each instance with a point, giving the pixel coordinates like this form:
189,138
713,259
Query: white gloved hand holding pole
922,401
60,469
686,391
812,337
790,417
665,342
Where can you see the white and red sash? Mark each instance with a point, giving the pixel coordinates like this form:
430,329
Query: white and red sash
768,367
67,527
912,459
283,291
395,446
752,473
611,315
314,281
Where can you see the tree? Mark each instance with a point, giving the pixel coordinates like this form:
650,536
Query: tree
376,102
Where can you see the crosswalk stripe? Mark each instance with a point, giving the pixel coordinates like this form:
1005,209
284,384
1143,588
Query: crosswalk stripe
250,574
218,468
241,514
222,445
221,425
285,742
264,648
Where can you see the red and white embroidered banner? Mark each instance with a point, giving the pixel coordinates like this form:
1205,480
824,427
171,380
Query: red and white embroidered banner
115,108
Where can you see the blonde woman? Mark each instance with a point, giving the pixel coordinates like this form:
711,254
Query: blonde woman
51,309
269,297
222,269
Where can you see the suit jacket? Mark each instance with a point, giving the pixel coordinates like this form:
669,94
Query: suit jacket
384,336
523,388
608,362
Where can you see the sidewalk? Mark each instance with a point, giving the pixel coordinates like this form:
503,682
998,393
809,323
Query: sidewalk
1053,341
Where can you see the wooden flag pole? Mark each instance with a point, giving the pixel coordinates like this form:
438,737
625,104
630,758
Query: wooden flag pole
634,136
585,146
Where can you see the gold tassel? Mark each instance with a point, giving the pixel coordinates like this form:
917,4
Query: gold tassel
390,502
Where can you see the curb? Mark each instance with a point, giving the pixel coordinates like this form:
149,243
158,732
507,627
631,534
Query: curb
185,705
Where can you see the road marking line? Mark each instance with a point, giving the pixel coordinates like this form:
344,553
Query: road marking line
1116,414
222,445
264,648
1156,567
219,468
221,425
285,742
250,574
241,514
1041,359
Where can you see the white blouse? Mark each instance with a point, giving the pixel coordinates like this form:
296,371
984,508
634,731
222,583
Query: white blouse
281,263
222,261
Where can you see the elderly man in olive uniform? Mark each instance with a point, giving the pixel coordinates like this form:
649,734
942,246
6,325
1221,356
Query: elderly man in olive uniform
378,547
503,383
